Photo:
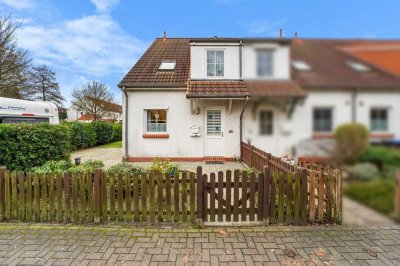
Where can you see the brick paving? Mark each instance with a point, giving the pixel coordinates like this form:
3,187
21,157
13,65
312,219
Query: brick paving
24,244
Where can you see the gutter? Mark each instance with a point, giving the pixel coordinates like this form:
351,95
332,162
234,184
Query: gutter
241,123
126,152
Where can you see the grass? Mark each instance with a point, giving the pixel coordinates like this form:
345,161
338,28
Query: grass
117,144
377,194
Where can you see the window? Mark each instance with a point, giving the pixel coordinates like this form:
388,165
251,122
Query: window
322,120
265,63
156,121
214,123
167,65
266,122
357,66
301,65
215,63
379,119
23,120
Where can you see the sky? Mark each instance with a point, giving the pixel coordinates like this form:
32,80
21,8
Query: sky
83,40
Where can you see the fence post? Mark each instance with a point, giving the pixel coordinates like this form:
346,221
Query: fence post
3,170
397,195
199,188
97,196
251,157
266,196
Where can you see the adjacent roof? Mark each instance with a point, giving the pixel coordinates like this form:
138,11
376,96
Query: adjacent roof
146,74
241,89
327,59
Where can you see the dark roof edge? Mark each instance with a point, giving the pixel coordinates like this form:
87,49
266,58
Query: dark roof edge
335,87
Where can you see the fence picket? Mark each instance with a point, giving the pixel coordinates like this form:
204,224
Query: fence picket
244,197
103,195
168,197
43,181
143,179
321,194
120,198
297,202
176,197
3,171
228,206
136,211
67,196
205,196
21,192
82,197
52,213
184,197
236,195
212,197
75,197
303,197
267,194
90,198
312,196
273,194
289,199
152,199
252,196
281,196
111,179
160,197
28,197
14,192
36,197
192,199
220,196
128,197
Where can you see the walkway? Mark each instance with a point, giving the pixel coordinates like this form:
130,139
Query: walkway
99,245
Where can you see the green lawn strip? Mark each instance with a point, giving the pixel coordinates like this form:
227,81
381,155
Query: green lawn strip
377,194
117,144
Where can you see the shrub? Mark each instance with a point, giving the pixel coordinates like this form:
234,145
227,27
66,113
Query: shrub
52,167
104,132
117,132
351,141
124,168
86,167
381,156
363,171
83,135
163,167
23,147
378,194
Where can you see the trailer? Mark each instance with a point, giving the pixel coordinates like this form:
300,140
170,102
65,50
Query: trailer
14,111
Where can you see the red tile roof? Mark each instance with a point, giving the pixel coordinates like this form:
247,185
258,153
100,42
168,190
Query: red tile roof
327,59
241,89
145,73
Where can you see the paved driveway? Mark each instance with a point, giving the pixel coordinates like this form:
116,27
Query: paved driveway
319,245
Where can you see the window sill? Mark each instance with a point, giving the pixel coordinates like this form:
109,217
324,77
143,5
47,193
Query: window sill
156,136
381,135
323,135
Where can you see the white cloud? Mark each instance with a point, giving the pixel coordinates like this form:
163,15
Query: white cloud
18,4
92,45
104,5
266,28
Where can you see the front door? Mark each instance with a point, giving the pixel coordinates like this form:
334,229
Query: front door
215,145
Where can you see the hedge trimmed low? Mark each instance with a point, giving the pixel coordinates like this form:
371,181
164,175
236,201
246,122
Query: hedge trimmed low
83,135
104,132
25,146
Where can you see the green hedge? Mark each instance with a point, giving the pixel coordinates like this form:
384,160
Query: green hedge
25,146
117,132
381,156
104,132
377,194
83,135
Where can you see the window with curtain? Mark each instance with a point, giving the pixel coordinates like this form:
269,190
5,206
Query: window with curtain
156,121
266,122
265,63
379,119
215,63
322,120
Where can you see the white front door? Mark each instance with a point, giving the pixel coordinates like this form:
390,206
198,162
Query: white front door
214,140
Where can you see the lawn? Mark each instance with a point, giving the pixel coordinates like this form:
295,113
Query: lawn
117,144
377,194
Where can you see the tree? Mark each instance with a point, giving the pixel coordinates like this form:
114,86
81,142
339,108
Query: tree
93,98
14,62
44,86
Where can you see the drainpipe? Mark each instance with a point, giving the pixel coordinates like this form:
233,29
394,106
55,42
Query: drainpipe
354,106
240,60
241,124
126,153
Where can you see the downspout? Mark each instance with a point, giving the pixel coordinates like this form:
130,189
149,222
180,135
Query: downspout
126,153
240,60
241,124
354,106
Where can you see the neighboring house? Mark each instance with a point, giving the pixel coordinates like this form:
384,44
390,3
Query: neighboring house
196,98
113,113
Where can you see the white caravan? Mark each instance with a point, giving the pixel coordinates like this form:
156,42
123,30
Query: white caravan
14,111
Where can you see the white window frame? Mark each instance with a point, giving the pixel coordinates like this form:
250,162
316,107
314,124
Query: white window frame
206,63
272,122
265,64
332,119
380,108
145,121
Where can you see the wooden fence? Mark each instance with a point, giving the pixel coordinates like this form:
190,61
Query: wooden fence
97,197
317,187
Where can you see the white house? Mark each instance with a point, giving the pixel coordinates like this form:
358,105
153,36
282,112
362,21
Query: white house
111,113
193,99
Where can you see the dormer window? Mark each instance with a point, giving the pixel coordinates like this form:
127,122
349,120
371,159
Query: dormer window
265,63
301,65
215,63
167,65
357,66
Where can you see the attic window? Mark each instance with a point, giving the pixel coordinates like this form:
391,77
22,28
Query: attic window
357,66
301,65
167,65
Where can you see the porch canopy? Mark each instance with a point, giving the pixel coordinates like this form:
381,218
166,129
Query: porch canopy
240,89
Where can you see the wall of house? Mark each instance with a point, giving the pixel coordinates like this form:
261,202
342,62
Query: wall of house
281,57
